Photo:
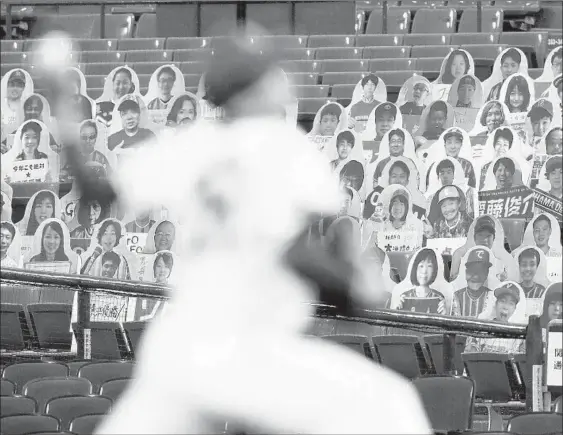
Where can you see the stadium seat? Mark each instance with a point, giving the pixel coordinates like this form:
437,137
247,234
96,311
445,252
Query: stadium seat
415,4
426,39
436,20
342,77
338,53
11,46
515,6
474,38
99,372
117,26
491,20
333,18
313,91
192,67
276,17
297,54
401,353
114,388
343,91
317,41
135,56
300,66
95,82
448,401
85,424
285,41
144,80
310,106
14,57
379,40
462,4
435,349
51,325
514,231
191,80
102,56
134,331
23,372
399,51
193,55
536,423
536,40
28,424
302,78
348,65
13,327
377,65
534,73
141,44
7,388
187,43
146,67
493,375
98,69
428,64
146,26
357,343
95,93
398,21
74,366
45,389
484,51
431,50
97,44
14,405
68,408
107,340
400,260
82,26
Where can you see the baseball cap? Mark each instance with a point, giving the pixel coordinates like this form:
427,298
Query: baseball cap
386,108
553,163
448,192
420,83
17,76
540,107
467,80
129,104
508,289
485,223
479,256
454,132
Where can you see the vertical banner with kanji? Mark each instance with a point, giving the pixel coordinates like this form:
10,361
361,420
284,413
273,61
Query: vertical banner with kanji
546,203
514,202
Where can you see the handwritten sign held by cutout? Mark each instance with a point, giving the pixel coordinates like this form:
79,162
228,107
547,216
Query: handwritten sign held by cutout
136,242
398,241
49,266
514,202
29,171
446,246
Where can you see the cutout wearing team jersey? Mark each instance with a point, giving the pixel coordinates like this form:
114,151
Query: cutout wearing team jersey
16,85
544,232
51,250
447,215
510,61
10,245
504,173
383,118
487,231
532,276
121,81
414,96
424,288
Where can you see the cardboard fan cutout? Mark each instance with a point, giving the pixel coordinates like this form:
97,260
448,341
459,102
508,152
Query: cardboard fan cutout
466,97
555,94
435,119
107,255
369,92
454,66
448,171
51,249
330,119
510,61
487,231
161,268
552,307
473,294
36,107
424,289
493,114
448,214
166,82
544,232
377,269
532,276
10,245
7,195
549,187
344,148
183,109
551,144
539,121
43,205
551,69
31,159
121,81
518,93
16,85
383,118
414,96
163,236
504,173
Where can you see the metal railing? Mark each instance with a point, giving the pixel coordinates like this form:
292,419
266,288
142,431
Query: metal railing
241,9
447,325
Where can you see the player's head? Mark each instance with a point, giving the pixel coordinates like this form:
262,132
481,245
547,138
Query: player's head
446,172
477,268
510,62
507,298
345,142
110,264
504,170
166,77
554,142
7,234
453,141
369,85
329,119
542,230
553,172
399,173
528,262
485,232
385,116
396,142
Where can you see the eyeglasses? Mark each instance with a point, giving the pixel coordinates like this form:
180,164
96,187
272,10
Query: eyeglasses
90,137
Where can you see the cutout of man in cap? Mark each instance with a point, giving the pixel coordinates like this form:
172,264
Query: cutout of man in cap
528,262
359,112
541,117
132,133
465,91
470,300
453,141
453,221
420,91
507,299
385,115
